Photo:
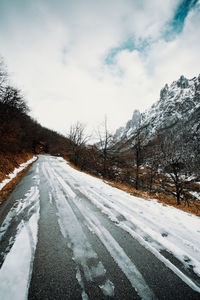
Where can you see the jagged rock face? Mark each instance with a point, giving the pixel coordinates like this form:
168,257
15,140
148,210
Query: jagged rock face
164,92
179,101
131,125
134,122
183,82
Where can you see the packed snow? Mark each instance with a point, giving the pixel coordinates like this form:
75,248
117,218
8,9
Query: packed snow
73,232
124,262
16,171
16,270
79,200
154,225
195,194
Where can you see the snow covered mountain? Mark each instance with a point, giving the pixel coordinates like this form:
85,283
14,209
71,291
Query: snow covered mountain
178,102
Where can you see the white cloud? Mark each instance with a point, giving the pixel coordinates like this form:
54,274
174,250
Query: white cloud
179,56
57,57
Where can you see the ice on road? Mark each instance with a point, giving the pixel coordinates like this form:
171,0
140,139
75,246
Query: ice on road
81,204
17,252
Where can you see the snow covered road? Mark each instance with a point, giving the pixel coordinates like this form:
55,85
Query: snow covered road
67,235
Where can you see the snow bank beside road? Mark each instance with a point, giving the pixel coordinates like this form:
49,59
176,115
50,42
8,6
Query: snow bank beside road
16,171
159,228
21,224
16,271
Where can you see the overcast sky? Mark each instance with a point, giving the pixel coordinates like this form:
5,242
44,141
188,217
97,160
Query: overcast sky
84,59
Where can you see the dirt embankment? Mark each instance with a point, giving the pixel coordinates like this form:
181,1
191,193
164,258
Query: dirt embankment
8,162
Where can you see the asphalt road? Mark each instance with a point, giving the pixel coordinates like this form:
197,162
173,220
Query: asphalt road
80,252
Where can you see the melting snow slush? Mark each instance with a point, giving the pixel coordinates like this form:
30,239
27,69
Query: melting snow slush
178,233
71,229
15,272
155,226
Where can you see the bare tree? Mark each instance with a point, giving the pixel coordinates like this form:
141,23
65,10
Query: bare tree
152,168
13,98
78,139
192,141
105,143
3,76
138,156
175,170
173,161
138,142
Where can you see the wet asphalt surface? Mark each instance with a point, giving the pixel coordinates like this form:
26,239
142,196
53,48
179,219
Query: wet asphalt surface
54,273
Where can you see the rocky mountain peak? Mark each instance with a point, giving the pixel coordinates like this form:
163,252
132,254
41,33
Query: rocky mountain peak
164,92
177,102
136,117
183,82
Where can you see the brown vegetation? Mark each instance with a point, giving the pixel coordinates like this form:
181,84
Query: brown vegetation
9,162
194,208
9,187
165,199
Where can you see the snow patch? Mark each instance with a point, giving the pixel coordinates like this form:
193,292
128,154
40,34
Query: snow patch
123,261
16,171
15,273
16,270
156,226
107,288
70,227
195,194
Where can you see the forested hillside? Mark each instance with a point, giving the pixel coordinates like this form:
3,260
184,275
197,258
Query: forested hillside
20,135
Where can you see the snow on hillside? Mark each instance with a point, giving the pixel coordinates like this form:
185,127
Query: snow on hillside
177,102
15,272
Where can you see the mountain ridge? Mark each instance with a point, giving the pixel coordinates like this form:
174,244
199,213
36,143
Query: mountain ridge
178,102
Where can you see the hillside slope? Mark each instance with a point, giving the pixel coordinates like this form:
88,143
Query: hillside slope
20,136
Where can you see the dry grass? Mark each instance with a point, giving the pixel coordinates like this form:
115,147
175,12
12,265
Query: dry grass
8,162
8,188
162,198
